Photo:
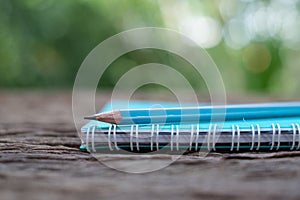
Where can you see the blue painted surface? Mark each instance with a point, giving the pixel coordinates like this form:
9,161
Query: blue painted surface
208,113
244,123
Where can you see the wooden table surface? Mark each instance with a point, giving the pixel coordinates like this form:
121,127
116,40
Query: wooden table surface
40,159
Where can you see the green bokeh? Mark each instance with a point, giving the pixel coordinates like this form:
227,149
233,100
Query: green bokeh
43,43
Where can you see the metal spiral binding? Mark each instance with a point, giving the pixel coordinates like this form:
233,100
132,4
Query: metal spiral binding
172,133
258,136
235,131
137,137
177,137
232,140
152,135
93,139
191,138
108,138
294,136
278,129
279,134
214,137
157,135
131,137
87,139
194,137
253,137
208,137
197,136
273,136
115,137
298,128
238,137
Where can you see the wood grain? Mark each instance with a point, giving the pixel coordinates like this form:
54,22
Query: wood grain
40,159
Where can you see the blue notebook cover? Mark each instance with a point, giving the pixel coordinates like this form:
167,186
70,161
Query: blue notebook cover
287,124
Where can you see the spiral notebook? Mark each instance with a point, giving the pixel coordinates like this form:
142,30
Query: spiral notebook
268,134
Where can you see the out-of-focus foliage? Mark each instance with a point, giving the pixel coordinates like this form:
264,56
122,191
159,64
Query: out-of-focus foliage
44,42
255,44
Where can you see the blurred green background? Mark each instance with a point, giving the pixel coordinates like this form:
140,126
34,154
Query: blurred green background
255,44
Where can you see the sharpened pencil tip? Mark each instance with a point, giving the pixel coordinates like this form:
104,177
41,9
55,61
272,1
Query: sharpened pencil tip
93,117
112,117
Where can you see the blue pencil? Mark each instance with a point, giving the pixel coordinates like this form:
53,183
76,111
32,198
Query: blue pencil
199,114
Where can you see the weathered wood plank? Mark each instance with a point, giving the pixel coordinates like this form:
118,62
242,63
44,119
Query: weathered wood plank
40,159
